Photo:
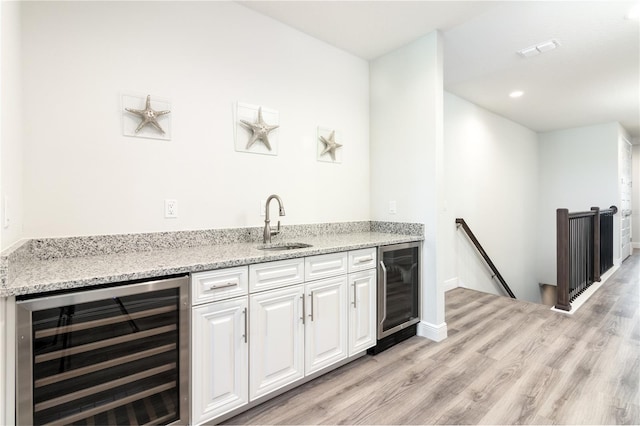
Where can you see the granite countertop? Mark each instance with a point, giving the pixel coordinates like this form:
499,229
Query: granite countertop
43,275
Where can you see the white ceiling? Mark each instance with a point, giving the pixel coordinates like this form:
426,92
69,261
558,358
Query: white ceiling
593,77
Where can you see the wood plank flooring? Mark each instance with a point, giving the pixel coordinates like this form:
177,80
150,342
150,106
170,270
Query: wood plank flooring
504,362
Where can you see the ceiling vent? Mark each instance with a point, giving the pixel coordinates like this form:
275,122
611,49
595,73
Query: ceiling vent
539,48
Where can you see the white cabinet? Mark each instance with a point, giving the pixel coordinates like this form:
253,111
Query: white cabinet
265,276
220,284
303,316
219,358
326,324
362,311
361,260
277,339
324,266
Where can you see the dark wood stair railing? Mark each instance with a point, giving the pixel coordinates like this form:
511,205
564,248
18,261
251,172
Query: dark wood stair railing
485,256
584,251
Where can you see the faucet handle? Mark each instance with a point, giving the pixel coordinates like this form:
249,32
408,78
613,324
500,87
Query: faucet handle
277,231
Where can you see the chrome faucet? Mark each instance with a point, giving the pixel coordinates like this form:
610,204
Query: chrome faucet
267,228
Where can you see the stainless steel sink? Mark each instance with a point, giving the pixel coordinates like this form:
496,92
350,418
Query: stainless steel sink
283,246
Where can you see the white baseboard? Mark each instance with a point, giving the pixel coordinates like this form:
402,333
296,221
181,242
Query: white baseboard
607,275
580,300
437,333
450,284
635,245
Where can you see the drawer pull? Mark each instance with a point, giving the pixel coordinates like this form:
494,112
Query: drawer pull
364,259
218,287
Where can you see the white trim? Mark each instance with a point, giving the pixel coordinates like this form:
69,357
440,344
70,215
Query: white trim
581,300
611,271
437,333
635,245
451,283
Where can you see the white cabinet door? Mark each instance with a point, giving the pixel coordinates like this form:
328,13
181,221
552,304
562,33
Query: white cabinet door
362,311
219,359
277,339
326,323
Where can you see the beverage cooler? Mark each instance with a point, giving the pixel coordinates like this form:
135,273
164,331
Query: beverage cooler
116,355
399,278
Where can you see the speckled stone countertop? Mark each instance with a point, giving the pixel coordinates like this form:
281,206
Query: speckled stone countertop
43,274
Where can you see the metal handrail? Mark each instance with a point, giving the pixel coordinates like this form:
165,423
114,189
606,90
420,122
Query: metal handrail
485,256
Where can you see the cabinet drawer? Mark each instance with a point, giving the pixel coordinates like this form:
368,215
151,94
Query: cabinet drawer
264,276
325,266
359,260
220,284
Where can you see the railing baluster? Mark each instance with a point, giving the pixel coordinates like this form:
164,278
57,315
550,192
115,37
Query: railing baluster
596,244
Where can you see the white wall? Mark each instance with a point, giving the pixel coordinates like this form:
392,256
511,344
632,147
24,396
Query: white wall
10,125
635,197
406,156
82,176
578,169
491,182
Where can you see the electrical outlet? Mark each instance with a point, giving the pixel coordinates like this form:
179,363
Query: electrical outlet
170,209
392,207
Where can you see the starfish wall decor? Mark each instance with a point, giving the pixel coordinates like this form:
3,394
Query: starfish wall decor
330,145
148,125
261,123
260,130
148,116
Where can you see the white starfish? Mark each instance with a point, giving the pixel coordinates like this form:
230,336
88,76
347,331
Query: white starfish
148,115
330,145
260,130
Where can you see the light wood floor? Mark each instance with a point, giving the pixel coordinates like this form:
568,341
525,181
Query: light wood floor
504,362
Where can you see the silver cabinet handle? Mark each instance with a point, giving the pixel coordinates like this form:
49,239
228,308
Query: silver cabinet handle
384,292
364,259
246,324
304,310
311,315
218,287
355,295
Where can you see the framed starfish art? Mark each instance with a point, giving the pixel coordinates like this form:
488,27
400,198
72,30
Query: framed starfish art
146,117
256,129
329,148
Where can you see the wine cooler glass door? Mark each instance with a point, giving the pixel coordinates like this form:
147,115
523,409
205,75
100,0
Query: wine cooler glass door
398,283
108,356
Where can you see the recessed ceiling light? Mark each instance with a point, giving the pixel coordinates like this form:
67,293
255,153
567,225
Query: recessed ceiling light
516,94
